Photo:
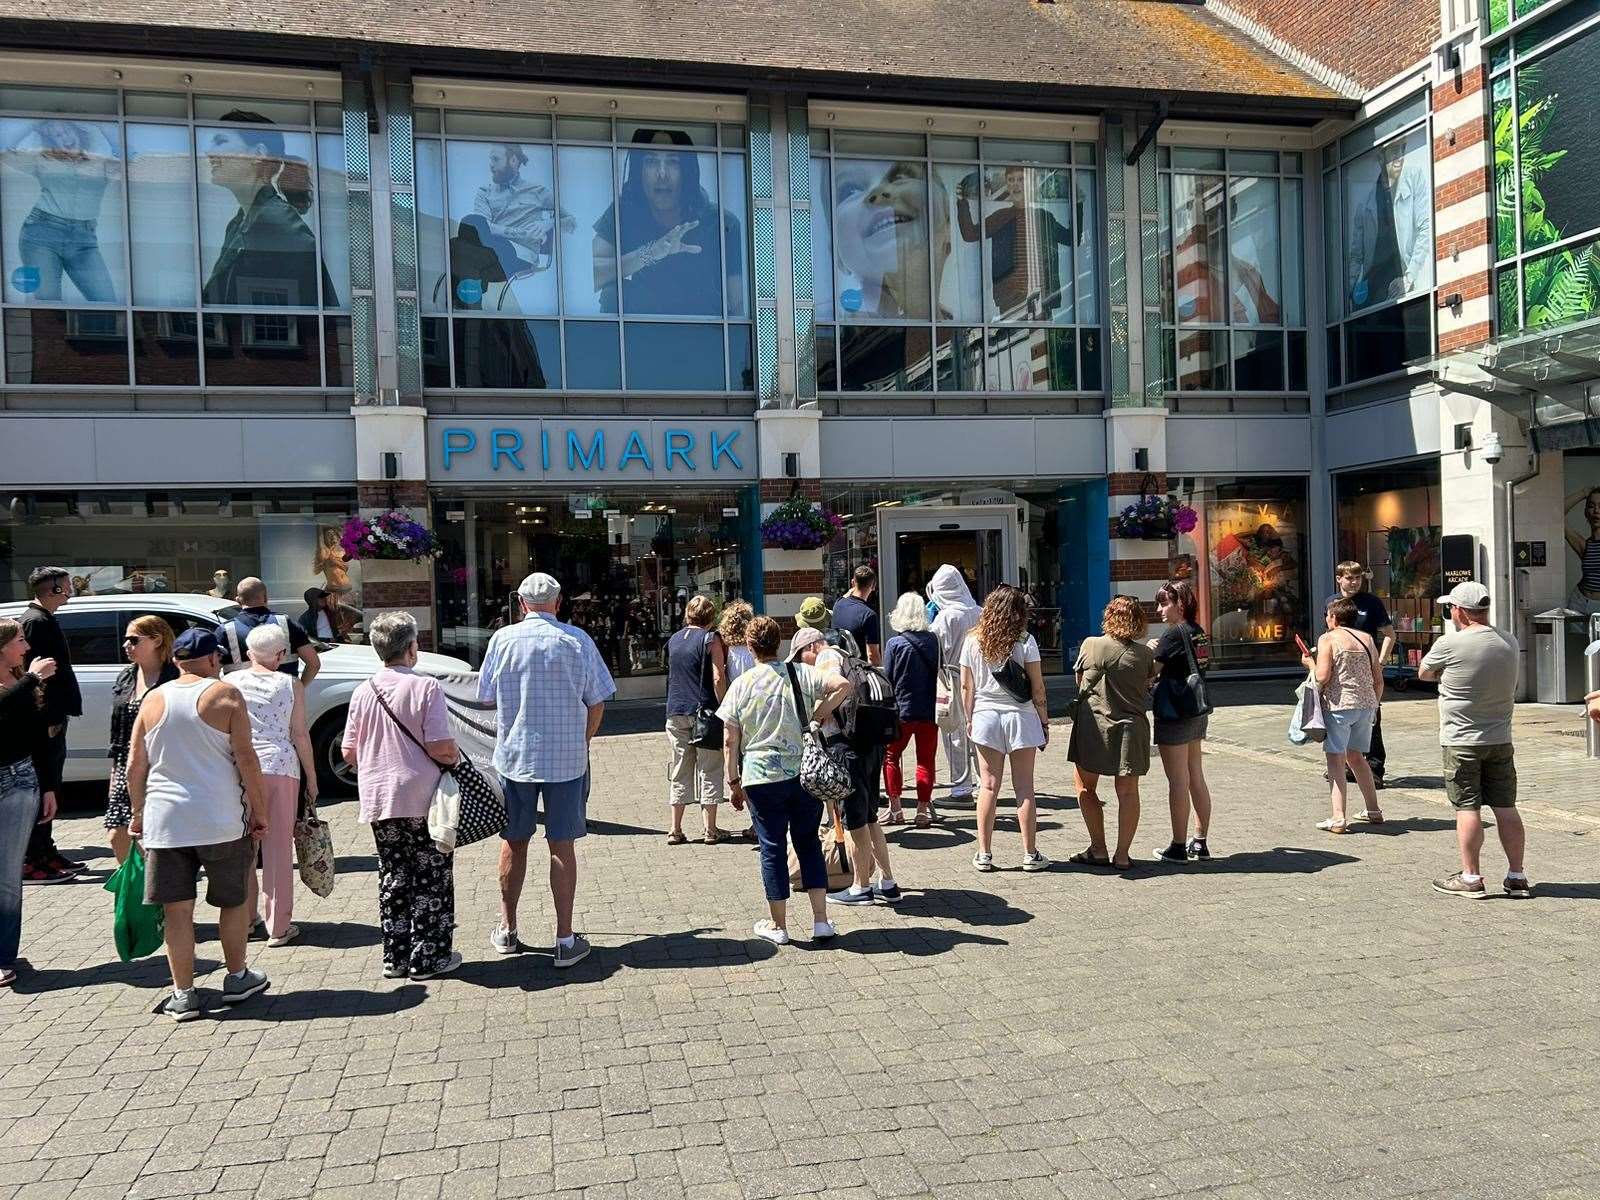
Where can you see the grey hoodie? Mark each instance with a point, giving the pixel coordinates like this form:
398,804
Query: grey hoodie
958,611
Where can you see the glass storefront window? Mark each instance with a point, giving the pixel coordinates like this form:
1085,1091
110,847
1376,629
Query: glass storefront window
1390,521
1232,285
1247,554
628,562
584,221
1378,226
218,203
198,542
910,253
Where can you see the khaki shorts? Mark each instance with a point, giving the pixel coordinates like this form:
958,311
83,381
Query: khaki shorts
1479,776
171,876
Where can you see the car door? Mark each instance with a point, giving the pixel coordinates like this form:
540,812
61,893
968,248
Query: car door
94,639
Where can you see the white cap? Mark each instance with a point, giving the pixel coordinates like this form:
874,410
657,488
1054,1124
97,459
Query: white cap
1469,594
539,588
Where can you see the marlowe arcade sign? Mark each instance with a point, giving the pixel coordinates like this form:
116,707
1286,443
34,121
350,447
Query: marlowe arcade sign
620,450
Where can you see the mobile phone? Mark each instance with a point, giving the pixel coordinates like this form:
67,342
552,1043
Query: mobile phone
1301,642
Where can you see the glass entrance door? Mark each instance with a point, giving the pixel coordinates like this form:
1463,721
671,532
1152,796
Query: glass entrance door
979,539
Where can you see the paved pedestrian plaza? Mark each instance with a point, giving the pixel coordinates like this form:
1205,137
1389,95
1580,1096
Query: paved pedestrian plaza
1301,1017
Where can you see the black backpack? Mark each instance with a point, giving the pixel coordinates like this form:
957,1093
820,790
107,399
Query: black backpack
871,714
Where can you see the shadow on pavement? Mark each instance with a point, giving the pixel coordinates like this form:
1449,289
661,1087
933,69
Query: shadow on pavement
355,864
339,935
1565,891
1395,826
961,904
617,829
1281,860
916,941
146,973
316,1003
532,970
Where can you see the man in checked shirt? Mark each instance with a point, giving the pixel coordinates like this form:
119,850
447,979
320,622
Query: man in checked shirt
549,687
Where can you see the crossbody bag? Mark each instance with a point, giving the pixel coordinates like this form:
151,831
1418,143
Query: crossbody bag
707,731
467,807
823,771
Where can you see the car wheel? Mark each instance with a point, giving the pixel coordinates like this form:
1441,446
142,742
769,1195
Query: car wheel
335,777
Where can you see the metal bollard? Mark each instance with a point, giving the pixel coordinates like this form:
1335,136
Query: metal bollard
1591,662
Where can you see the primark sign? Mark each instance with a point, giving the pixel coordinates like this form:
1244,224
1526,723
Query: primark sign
618,451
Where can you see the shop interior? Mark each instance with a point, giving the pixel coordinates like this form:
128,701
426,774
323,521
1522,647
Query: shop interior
1390,520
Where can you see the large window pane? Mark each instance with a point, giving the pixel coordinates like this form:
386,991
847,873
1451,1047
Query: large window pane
1562,286
1255,231
885,359
166,349
503,219
259,350
1383,342
960,360
333,211
1201,356
1085,251
735,229
435,334
827,358
1027,224
507,354
1199,247
257,247
594,355
957,191
433,270
821,239
1293,253
1258,360
54,345
161,210
881,230
1388,211
674,358
741,359
61,212
588,249
1560,155
1033,360
1505,170
340,352
671,252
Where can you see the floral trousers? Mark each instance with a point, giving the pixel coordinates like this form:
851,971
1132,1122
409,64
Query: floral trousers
416,896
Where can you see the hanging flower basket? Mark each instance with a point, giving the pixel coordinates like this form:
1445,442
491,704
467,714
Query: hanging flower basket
798,524
1155,519
390,535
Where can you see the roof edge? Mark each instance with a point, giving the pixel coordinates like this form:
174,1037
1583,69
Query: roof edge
1284,49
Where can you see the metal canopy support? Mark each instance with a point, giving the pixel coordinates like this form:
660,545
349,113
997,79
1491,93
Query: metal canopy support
1150,131
1589,365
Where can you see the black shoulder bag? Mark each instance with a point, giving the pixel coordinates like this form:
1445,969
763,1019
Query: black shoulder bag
707,732
1013,677
1192,701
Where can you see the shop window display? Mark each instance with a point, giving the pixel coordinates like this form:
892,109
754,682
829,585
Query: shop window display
628,564
1390,521
200,204
921,262
1247,554
198,542
583,221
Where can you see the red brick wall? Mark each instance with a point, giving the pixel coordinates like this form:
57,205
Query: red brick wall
776,491
793,583
402,493
1366,40
397,594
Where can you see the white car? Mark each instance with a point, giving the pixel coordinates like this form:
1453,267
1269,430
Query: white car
94,625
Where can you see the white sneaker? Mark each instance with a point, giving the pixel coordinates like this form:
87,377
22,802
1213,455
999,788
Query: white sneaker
823,931
504,940
982,861
775,934
284,938
444,968
1035,862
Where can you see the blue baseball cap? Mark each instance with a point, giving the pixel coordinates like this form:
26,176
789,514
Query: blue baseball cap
195,643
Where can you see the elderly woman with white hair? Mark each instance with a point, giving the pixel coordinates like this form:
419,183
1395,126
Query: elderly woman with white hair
276,703
911,661
397,737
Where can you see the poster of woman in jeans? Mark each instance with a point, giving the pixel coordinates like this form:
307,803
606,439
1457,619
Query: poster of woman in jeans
59,225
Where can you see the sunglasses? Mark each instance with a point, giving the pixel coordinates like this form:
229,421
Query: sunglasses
133,639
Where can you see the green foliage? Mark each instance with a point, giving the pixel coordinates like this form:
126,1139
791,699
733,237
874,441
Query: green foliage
1499,15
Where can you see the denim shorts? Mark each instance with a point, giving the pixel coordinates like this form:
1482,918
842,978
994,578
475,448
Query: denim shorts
565,809
1349,729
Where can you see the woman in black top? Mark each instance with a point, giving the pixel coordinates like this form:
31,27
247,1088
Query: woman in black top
697,678
911,661
148,645
28,779
1180,726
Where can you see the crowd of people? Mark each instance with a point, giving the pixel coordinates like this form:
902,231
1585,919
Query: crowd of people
210,776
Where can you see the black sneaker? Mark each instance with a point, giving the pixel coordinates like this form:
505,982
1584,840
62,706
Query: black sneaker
1197,849
1174,853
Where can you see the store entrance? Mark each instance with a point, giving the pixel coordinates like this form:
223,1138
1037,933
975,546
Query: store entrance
980,539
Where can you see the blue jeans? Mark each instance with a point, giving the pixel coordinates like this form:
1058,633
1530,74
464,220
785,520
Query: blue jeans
782,811
55,245
19,810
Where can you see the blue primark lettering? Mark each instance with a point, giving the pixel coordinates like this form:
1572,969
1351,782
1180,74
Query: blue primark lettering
467,444
544,448
720,448
505,443
576,454
634,449
679,443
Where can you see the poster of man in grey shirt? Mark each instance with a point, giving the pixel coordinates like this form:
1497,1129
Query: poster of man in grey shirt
1475,666
516,217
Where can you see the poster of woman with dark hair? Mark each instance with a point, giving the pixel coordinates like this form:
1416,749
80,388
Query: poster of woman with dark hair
268,254
672,233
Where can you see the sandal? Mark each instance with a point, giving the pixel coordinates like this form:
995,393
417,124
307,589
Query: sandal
1121,868
896,816
714,837
1084,859
1332,826
676,838
924,818
1367,816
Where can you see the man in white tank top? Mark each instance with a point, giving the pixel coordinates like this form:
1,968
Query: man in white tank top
198,801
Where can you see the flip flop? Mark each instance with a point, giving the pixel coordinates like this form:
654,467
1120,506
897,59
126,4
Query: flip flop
924,820
1332,826
1084,859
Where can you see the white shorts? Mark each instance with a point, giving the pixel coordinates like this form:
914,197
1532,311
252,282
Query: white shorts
1006,730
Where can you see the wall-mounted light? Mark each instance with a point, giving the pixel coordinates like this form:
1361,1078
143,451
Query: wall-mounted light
791,465
391,465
